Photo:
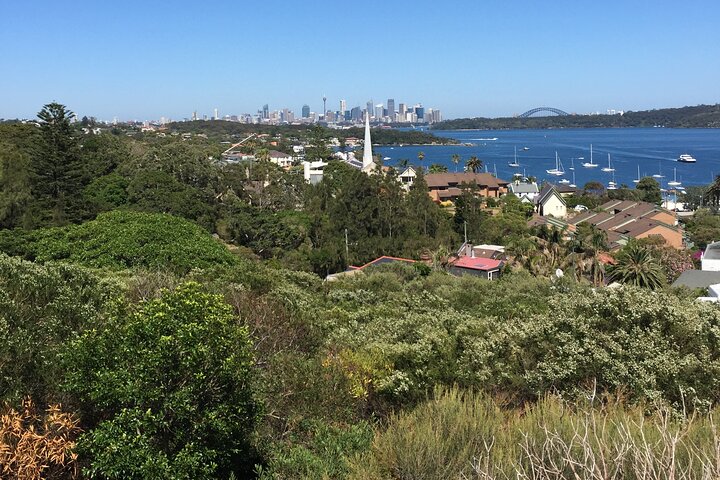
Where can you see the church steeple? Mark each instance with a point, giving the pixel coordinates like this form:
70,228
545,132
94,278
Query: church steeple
367,146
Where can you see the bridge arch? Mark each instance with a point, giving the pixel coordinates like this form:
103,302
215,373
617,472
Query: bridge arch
556,111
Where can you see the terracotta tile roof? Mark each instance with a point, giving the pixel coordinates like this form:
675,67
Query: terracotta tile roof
438,180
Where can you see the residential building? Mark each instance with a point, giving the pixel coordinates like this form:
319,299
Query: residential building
526,192
407,177
626,219
478,266
449,186
710,260
549,202
281,159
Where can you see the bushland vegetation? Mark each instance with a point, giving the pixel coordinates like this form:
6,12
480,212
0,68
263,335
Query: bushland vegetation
150,335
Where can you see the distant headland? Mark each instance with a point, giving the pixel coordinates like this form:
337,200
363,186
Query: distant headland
700,116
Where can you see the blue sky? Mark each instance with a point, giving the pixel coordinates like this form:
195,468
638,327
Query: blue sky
146,59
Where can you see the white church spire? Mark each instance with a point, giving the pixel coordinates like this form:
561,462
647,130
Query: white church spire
367,146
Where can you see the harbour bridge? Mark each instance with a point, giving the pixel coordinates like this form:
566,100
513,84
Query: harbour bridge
532,112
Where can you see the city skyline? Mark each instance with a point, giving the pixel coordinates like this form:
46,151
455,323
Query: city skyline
142,61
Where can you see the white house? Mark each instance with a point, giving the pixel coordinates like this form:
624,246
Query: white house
313,171
407,177
526,192
280,158
710,261
550,203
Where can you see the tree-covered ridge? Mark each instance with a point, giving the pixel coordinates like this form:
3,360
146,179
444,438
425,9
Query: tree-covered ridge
220,129
701,116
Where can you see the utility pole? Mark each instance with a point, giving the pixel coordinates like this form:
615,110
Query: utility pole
347,248
465,227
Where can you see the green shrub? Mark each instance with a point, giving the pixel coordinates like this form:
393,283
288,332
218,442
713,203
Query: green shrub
42,307
125,239
166,390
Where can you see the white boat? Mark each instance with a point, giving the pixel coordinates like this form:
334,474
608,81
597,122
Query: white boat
590,164
659,174
564,181
558,170
674,182
573,182
686,158
609,168
637,180
612,185
387,158
572,164
514,163
526,148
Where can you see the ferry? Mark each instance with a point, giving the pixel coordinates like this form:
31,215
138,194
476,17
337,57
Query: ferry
685,158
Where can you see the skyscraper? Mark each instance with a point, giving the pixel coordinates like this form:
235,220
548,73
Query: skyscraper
420,112
217,115
402,110
343,106
379,111
266,111
305,111
391,108
369,107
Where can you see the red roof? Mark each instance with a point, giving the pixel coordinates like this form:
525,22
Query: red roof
477,263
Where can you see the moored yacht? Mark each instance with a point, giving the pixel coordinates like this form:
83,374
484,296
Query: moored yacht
590,164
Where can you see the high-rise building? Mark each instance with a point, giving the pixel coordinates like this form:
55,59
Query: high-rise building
266,111
402,111
217,115
379,112
391,109
348,115
369,107
343,106
355,113
194,115
420,112
306,111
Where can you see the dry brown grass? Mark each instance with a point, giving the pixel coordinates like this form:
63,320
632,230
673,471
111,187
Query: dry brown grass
37,445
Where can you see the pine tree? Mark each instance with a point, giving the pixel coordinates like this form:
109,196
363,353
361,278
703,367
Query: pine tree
57,169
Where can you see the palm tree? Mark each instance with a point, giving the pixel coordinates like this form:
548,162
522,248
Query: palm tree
474,164
437,168
421,157
712,195
637,266
456,160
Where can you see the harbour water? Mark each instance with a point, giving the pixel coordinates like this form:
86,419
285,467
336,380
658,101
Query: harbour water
653,150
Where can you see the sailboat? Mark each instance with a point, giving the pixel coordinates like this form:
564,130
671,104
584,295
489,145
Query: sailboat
609,168
573,182
514,163
572,163
558,170
659,174
590,164
612,185
674,182
637,180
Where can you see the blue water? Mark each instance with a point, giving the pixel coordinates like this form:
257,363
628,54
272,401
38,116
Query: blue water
654,150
